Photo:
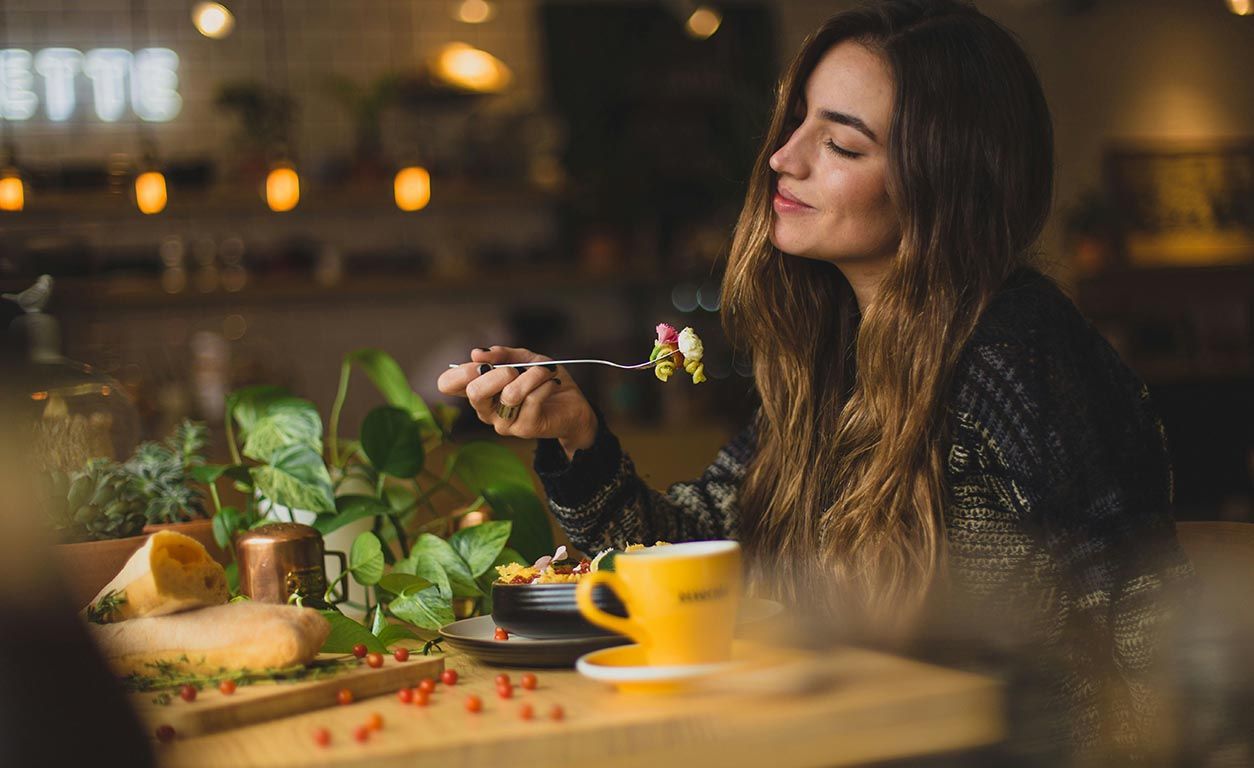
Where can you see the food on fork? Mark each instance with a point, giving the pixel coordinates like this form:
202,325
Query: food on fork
682,348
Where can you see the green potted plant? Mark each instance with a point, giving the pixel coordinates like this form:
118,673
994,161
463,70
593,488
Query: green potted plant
403,478
102,513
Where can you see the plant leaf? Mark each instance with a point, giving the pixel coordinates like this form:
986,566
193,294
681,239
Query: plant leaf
350,509
365,559
400,583
287,421
430,546
427,568
400,497
531,536
393,632
296,478
480,544
481,465
391,382
345,633
426,608
248,405
225,524
392,441
379,622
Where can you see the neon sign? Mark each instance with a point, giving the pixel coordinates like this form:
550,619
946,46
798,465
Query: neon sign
151,73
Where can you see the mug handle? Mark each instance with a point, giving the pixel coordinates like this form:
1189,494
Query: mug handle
590,611
342,588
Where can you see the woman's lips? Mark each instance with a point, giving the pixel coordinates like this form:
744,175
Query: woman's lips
785,203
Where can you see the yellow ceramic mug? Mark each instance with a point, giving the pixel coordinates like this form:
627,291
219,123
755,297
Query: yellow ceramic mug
681,600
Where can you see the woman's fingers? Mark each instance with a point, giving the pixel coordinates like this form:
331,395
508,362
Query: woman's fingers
453,381
527,382
527,420
498,355
482,390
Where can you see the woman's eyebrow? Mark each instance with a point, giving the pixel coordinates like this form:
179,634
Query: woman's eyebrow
842,118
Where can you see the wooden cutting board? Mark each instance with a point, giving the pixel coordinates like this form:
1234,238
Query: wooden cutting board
214,711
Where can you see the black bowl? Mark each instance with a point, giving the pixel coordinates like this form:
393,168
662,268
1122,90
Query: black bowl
548,611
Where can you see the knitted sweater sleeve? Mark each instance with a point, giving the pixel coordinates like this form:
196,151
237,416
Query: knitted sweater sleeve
1080,459
601,502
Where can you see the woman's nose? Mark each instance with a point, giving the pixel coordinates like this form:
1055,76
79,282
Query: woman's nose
785,160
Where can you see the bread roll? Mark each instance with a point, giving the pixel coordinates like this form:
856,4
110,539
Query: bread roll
235,636
170,573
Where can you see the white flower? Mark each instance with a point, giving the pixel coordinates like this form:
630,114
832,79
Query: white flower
690,345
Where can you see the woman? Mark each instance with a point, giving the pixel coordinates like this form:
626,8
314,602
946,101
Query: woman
938,424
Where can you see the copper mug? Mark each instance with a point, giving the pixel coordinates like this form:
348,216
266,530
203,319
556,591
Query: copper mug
280,560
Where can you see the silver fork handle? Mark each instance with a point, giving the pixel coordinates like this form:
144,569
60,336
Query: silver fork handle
648,364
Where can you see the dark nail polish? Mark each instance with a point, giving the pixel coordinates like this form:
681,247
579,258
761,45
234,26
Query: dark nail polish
484,349
552,368
484,368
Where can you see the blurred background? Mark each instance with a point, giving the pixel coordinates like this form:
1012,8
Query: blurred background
242,193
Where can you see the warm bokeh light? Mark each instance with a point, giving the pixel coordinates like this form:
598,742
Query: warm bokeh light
470,68
474,11
12,191
282,188
704,22
1241,7
412,188
150,193
213,20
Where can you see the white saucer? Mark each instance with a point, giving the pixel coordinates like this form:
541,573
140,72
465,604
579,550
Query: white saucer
625,668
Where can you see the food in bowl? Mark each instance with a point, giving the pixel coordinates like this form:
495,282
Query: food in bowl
538,601
559,569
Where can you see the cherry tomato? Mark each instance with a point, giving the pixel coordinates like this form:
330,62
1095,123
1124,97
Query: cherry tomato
322,737
427,685
344,696
500,634
359,650
526,712
505,691
362,733
557,713
474,703
375,721
502,679
165,733
528,681
406,695
188,693
401,654
449,677
422,698
374,660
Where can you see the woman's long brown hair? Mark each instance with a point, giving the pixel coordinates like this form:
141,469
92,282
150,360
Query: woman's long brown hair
850,435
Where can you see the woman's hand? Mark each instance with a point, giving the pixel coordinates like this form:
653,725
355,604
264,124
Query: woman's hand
541,401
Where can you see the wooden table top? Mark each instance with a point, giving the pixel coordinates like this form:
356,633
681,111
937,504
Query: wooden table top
874,707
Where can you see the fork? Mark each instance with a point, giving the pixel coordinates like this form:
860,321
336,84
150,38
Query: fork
640,366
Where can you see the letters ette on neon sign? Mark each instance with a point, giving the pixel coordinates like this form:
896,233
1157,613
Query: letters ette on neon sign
151,73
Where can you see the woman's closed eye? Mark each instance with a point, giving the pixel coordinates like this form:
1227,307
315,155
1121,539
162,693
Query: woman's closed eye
841,150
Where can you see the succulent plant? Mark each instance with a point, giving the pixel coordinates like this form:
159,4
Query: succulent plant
160,472
99,502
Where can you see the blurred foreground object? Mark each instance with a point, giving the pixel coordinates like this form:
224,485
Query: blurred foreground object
78,413
40,625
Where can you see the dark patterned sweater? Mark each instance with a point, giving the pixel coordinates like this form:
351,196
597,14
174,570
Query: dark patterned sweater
1058,522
